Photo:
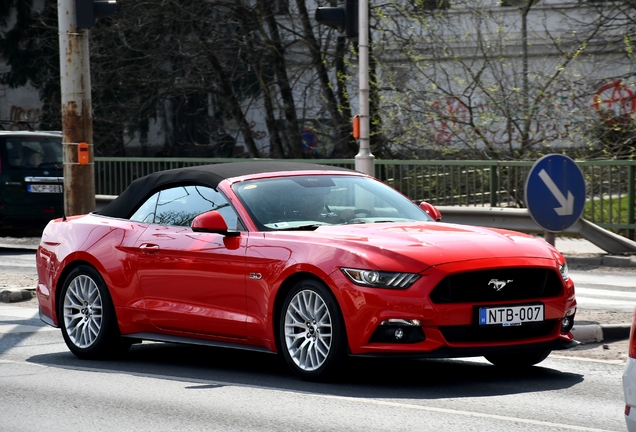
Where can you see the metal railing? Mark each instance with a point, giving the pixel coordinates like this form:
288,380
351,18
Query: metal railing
610,184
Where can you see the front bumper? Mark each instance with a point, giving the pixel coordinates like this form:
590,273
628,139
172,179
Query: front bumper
449,329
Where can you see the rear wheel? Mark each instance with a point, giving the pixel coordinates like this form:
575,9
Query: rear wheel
88,320
312,334
518,360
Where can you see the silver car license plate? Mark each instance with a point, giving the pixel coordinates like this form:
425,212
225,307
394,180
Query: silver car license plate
510,315
44,188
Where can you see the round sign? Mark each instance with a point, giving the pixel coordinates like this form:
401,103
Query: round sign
555,192
310,140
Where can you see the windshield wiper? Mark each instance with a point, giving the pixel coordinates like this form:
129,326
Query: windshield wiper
310,227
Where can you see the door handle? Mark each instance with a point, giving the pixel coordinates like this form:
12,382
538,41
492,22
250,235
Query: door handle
149,248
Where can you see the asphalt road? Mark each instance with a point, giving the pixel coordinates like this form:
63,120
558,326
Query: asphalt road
162,387
172,387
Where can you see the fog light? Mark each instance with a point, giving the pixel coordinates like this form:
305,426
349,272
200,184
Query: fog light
397,330
567,322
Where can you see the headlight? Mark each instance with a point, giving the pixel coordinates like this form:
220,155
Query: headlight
379,279
564,271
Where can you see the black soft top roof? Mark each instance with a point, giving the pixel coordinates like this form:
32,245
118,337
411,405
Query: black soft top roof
206,175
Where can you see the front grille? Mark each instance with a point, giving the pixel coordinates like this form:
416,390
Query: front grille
474,333
480,286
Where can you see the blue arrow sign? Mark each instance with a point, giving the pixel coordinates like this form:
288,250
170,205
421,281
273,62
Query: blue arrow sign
555,192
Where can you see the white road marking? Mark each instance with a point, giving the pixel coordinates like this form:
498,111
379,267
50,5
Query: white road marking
19,312
585,292
16,263
20,328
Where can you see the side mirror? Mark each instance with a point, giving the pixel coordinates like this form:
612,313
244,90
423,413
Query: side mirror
431,210
212,222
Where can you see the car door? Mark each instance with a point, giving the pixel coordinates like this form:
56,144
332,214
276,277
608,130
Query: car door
192,282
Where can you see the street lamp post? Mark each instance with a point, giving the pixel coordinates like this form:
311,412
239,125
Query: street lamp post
524,7
364,160
344,20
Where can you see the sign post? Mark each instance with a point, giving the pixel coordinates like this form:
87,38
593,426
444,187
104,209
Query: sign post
555,193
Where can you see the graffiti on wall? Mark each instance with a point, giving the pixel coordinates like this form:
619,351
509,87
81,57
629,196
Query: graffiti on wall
553,119
614,97
257,134
23,118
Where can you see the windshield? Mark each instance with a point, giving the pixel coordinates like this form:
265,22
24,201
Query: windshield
306,202
34,152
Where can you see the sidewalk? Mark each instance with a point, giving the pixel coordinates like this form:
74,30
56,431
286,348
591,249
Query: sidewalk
579,251
19,243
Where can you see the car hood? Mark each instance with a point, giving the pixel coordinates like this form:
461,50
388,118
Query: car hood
424,244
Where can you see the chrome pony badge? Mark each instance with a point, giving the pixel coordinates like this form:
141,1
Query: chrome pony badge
497,284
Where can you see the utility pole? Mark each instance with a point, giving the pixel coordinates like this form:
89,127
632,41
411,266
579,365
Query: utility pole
75,17
77,122
364,160
354,27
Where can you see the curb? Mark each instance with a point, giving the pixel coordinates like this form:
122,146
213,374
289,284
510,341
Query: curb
14,295
602,261
594,333
18,246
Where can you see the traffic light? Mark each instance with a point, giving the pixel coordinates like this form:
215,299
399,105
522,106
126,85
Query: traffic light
343,18
87,11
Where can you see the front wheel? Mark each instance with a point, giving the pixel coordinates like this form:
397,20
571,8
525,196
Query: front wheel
518,360
312,333
88,320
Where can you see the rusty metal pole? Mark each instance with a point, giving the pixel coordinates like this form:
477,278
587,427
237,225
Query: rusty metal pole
77,123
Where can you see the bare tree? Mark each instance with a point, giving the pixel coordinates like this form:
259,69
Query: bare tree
447,77
457,80
199,70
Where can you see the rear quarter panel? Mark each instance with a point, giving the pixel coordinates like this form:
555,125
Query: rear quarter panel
102,242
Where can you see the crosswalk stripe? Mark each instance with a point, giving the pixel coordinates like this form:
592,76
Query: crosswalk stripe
592,292
20,328
19,312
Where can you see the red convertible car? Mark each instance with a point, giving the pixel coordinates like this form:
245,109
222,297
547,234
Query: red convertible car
314,262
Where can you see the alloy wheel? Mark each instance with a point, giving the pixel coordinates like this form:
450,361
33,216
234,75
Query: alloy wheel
83,311
308,330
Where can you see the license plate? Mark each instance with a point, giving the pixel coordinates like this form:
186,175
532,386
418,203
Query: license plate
44,188
510,315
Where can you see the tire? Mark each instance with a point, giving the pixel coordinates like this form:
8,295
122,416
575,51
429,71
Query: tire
518,360
311,333
87,316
